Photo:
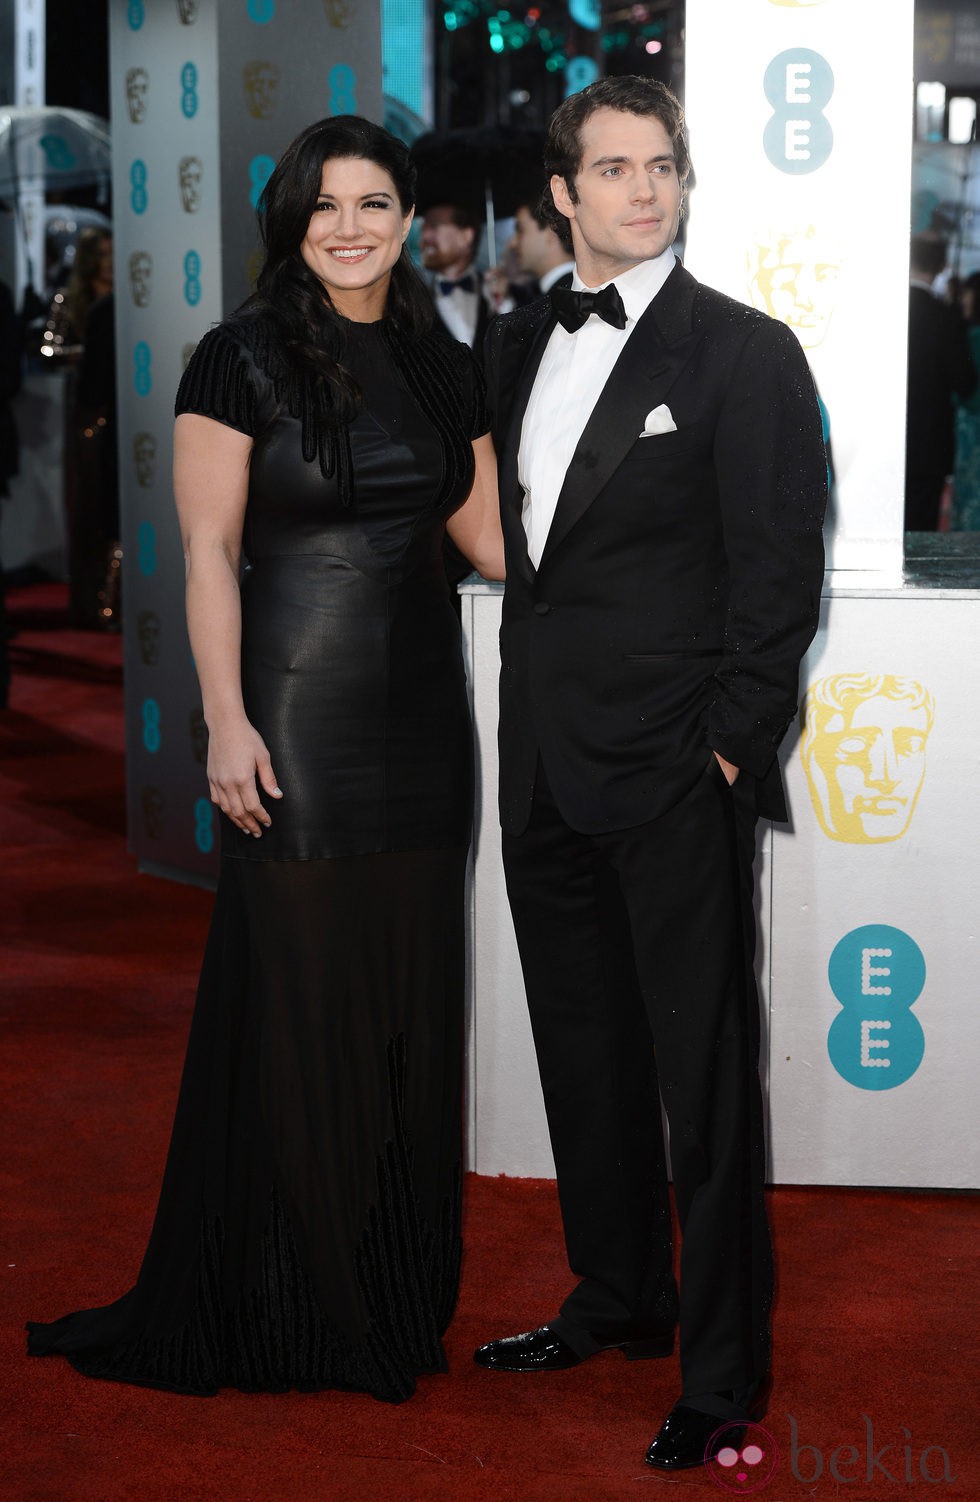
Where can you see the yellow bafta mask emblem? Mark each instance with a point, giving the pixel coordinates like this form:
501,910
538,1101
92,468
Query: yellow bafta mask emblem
864,754
793,277
338,13
261,81
190,171
137,91
144,458
140,277
187,11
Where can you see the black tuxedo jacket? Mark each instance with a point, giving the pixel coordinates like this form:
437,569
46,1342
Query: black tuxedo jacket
680,584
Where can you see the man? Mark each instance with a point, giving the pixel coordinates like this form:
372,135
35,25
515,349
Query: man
940,368
662,483
542,252
448,246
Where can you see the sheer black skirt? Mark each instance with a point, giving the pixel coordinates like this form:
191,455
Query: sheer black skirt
307,1233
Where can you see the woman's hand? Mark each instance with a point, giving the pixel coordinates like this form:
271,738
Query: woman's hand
237,758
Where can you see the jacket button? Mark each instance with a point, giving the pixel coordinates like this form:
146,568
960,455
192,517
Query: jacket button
542,607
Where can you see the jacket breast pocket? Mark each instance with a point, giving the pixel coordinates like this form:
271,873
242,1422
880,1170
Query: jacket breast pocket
651,447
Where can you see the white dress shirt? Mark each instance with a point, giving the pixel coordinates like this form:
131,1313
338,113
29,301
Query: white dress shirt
459,310
547,281
573,372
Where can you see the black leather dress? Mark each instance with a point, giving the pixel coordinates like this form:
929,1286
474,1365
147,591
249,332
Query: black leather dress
307,1233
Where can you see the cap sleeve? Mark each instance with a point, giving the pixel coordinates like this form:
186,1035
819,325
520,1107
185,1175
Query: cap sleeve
474,391
219,382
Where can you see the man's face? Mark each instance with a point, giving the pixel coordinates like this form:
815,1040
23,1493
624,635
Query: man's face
533,245
445,245
629,195
865,769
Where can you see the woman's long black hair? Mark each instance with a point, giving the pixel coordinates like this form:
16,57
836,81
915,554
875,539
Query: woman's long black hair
312,334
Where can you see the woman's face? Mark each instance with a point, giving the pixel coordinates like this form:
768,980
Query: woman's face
355,236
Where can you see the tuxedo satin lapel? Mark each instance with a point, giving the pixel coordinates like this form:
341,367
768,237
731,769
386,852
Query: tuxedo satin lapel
511,496
640,380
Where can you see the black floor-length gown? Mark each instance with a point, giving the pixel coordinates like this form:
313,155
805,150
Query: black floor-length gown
307,1233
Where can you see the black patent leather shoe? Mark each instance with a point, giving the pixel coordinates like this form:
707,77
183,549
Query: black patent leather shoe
690,1436
544,1350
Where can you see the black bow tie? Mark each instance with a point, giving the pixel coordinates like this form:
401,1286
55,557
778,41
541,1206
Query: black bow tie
465,283
573,308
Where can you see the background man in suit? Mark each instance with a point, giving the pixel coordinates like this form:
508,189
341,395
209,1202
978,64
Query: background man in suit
540,249
448,245
540,255
662,480
940,368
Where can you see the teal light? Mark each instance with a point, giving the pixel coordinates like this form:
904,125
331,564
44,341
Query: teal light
497,43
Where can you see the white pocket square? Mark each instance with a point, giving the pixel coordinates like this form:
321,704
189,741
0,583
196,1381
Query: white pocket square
658,421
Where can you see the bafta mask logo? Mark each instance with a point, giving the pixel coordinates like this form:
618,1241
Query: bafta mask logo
152,804
137,92
144,458
338,13
199,736
187,11
148,630
141,277
185,355
190,171
261,82
864,754
793,277
253,265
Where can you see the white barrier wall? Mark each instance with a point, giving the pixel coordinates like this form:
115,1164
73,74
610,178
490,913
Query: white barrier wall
867,906
873,1015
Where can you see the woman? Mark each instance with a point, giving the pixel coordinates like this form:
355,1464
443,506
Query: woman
308,1229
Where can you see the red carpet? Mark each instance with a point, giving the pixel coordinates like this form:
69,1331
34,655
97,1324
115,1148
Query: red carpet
877,1318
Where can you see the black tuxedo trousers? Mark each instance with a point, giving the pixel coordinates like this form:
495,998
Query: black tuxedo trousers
637,950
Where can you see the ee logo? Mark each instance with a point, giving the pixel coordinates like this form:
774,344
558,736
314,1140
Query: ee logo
204,825
142,376
146,540
135,14
259,172
139,197
192,278
188,84
261,11
798,85
877,974
151,724
342,81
